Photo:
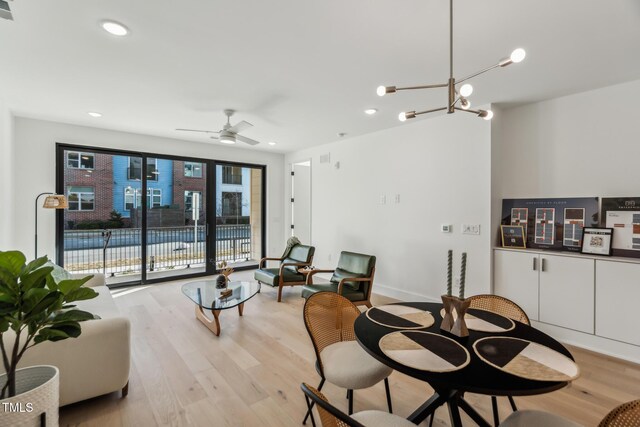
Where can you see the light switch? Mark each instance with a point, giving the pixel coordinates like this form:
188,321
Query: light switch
446,228
471,229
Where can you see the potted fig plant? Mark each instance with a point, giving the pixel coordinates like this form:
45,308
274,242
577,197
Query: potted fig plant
36,305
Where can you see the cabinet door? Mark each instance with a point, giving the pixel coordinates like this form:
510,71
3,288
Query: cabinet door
617,296
516,278
567,292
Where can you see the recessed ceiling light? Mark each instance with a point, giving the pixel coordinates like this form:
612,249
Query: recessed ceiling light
371,111
272,143
94,114
115,28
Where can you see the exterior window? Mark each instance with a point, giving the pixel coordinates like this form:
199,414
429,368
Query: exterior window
81,198
232,175
78,160
129,198
133,198
193,170
188,200
154,197
231,204
135,169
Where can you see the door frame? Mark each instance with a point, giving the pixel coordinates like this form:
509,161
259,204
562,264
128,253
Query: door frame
292,198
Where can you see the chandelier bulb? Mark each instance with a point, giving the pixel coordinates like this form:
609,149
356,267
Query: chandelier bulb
402,117
383,90
466,90
518,55
465,104
485,114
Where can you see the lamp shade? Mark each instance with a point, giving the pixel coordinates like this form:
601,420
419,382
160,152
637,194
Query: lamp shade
56,201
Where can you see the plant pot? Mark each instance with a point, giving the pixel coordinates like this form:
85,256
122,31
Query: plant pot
37,389
221,281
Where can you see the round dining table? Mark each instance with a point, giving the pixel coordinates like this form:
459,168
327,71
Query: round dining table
476,377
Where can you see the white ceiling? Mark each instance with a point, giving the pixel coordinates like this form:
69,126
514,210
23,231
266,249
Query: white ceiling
300,71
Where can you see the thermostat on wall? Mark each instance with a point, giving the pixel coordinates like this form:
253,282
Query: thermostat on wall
445,228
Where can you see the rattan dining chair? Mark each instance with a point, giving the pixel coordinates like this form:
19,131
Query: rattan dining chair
330,416
507,308
625,415
329,320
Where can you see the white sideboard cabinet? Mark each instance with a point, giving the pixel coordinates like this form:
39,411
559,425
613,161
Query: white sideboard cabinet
591,294
554,289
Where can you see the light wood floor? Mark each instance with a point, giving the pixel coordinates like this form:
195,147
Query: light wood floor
181,374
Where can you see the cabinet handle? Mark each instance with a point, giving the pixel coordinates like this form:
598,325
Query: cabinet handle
542,264
535,263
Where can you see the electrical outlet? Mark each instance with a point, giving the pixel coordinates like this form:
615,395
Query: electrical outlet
471,229
446,228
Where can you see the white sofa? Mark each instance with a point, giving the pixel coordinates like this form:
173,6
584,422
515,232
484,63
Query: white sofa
98,361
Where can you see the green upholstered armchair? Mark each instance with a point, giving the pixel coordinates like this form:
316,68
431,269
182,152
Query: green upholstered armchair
287,273
352,278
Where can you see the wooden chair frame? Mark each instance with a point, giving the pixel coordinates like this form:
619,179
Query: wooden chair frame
281,282
313,396
366,301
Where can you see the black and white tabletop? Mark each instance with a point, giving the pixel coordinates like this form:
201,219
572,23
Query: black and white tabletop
400,316
526,359
485,321
425,351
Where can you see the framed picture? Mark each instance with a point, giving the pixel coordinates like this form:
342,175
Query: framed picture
513,236
597,241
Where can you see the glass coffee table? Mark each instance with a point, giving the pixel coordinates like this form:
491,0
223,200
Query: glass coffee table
207,297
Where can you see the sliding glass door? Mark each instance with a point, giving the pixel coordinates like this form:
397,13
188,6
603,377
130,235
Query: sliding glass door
141,218
239,214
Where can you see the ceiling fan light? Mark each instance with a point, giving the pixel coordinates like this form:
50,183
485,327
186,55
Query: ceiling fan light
227,140
518,55
466,90
383,90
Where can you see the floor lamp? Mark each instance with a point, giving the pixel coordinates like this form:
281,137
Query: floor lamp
52,201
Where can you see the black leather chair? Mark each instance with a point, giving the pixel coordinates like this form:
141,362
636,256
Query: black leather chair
287,273
352,278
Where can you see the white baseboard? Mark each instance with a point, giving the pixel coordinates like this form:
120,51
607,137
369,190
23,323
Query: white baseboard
401,295
590,342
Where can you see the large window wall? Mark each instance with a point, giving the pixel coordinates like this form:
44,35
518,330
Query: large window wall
194,214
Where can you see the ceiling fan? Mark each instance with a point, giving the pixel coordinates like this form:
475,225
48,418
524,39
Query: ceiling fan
229,134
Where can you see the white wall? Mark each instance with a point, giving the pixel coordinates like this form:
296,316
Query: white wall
580,145
34,150
440,167
6,176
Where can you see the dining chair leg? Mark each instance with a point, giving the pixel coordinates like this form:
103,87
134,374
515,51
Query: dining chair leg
309,408
386,389
494,407
309,412
350,392
431,418
513,403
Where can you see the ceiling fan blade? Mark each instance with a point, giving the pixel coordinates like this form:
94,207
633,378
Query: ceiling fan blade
197,130
247,140
239,127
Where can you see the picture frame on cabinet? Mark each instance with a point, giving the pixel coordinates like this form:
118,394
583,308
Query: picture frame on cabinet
597,241
513,236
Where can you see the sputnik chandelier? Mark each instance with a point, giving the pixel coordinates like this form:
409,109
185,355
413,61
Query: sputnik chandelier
457,99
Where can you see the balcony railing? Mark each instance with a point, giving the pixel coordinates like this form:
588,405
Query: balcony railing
167,248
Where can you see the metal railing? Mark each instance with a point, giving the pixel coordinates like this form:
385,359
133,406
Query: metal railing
167,248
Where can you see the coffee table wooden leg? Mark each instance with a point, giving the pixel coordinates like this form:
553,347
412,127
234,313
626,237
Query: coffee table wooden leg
212,325
240,308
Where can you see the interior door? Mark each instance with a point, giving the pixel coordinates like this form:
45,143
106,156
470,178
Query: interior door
301,201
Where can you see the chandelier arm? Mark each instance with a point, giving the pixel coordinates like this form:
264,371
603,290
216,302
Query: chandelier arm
423,86
430,111
468,111
478,73
455,102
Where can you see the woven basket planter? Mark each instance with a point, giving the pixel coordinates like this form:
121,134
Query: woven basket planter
37,389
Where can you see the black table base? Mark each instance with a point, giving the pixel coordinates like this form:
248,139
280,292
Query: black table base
454,401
